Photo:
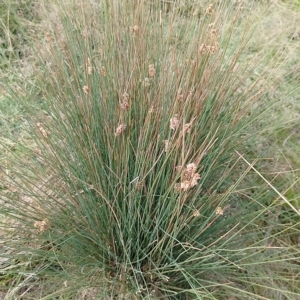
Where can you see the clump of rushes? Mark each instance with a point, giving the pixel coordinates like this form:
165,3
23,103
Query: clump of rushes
132,187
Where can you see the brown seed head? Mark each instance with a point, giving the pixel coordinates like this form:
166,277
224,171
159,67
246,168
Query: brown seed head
124,105
89,66
146,82
219,211
166,142
86,89
187,127
180,97
49,37
213,48
196,213
103,71
194,179
202,49
191,168
151,71
120,129
125,101
151,109
42,130
42,225
209,9
174,122
134,29
140,185
190,177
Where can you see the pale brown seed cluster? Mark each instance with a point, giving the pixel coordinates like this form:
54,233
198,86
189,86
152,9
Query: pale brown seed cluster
213,47
103,71
180,97
219,211
209,9
190,178
187,127
134,29
151,109
146,82
190,94
151,71
174,122
49,38
120,129
124,105
86,89
196,213
140,185
202,49
89,67
42,130
166,142
42,225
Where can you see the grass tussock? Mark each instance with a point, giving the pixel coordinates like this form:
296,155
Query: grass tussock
138,182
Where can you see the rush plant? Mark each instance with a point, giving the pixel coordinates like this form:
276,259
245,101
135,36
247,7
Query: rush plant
140,183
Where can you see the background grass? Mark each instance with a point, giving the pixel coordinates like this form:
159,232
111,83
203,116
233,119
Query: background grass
40,268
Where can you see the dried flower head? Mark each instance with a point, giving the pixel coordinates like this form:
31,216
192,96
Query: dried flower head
151,71
187,127
177,187
214,43
124,101
190,94
166,142
44,132
125,97
202,49
178,168
185,185
194,179
140,185
189,177
174,122
124,105
89,66
191,169
134,29
42,225
213,33
196,213
86,89
120,129
49,37
146,82
209,9
103,71
151,109
191,182
180,97
213,48
219,211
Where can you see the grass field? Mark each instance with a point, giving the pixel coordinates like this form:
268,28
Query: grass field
150,149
